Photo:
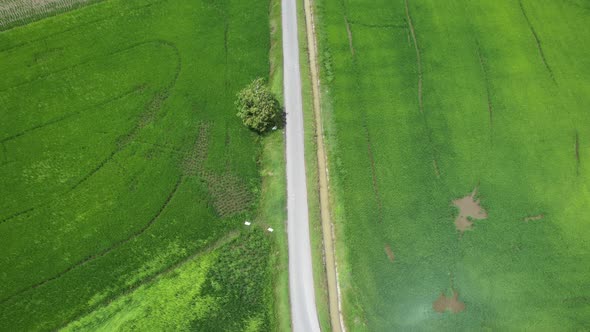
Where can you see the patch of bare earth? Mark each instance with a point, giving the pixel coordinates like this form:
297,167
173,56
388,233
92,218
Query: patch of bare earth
469,209
452,304
389,253
534,218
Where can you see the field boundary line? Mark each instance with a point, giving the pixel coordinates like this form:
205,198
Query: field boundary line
335,305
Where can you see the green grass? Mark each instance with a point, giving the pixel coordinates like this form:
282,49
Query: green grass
205,285
528,65
121,154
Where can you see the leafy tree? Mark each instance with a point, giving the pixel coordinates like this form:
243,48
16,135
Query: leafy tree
257,106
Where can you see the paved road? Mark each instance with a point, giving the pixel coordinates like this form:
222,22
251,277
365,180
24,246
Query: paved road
303,309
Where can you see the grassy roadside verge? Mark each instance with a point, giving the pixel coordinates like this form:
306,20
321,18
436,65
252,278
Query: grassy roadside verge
273,202
326,75
311,164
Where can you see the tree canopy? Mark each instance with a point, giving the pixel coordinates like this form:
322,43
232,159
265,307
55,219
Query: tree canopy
257,106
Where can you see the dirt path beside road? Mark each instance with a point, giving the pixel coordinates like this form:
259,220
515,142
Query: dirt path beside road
336,318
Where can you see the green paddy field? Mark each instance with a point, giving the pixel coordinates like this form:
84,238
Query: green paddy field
459,138
126,177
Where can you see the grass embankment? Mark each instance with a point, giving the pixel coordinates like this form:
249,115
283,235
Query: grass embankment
311,165
428,100
112,174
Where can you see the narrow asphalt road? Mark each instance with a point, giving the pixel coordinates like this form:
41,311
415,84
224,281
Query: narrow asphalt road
304,316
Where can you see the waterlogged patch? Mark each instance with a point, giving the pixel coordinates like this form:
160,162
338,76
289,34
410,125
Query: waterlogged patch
469,209
444,303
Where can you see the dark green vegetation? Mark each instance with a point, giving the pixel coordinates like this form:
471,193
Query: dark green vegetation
258,108
428,100
121,158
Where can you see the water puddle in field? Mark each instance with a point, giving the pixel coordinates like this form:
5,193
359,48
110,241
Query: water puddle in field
469,209
444,303
389,253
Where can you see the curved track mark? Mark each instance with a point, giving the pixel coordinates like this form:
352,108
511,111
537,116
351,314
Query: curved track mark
91,59
104,252
418,56
374,176
537,40
130,135
67,116
484,70
420,94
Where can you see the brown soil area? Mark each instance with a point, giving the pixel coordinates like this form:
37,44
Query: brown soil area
389,253
534,218
469,209
444,303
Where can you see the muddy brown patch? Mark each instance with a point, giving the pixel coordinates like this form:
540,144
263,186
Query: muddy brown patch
469,209
534,218
444,303
389,253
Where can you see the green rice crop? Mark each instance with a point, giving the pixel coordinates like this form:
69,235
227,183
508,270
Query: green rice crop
424,102
120,151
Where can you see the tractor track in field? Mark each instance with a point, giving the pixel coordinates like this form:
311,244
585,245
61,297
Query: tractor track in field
418,56
84,178
349,33
69,115
126,138
410,24
537,41
105,251
14,215
93,58
374,176
577,152
378,26
347,25
484,70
